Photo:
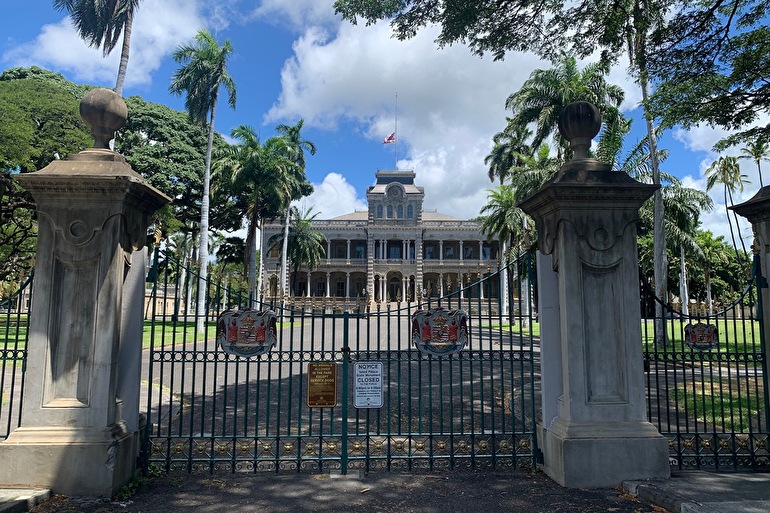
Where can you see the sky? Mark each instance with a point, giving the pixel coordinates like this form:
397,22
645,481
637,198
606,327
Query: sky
352,85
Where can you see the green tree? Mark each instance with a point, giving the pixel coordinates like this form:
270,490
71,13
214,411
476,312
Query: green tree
203,69
38,123
757,150
296,147
509,149
305,245
726,171
256,175
544,95
101,23
711,67
501,218
714,254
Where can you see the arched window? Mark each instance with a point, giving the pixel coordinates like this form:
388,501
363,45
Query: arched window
390,211
379,211
409,211
400,211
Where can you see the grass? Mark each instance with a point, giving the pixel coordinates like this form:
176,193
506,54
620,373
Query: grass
718,403
516,329
735,336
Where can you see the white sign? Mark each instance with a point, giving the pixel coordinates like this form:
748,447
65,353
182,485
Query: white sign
368,384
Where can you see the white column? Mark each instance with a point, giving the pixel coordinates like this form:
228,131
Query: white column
481,250
403,251
307,292
440,284
328,249
462,284
441,250
348,251
347,284
461,250
328,281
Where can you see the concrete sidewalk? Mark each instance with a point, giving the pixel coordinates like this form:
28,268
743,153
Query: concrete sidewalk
706,492
685,492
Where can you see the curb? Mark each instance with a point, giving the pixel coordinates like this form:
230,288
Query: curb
21,500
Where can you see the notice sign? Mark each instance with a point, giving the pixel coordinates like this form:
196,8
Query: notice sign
368,384
321,385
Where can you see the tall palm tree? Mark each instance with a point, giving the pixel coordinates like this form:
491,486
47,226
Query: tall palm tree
296,147
727,172
503,219
544,95
100,23
203,70
757,151
256,172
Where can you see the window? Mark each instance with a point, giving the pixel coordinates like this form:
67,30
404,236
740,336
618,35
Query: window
400,211
409,211
390,211
379,211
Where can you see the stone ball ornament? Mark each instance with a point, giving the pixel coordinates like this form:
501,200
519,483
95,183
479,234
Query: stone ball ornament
579,123
105,112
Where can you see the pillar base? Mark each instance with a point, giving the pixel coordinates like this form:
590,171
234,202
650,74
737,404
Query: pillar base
603,455
70,461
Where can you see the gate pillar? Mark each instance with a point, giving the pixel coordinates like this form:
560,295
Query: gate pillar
586,220
93,213
757,211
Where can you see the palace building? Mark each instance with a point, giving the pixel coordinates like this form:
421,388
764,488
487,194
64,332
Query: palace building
393,251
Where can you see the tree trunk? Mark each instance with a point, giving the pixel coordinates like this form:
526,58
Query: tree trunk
260,266
683,293
203,250
124,51
251,258
709,301
659,236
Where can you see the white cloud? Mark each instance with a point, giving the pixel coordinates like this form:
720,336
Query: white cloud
333,197
298,14
159,27
450,103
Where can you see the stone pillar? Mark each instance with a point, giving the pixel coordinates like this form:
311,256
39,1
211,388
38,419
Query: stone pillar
757,211
93,212
586,221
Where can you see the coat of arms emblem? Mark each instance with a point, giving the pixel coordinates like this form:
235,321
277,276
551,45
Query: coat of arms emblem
246,332
701,337
440,332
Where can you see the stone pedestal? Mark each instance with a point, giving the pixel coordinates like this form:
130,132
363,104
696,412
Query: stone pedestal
586,220
93,212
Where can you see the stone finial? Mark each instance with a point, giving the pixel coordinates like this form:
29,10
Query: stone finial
579,123
105,112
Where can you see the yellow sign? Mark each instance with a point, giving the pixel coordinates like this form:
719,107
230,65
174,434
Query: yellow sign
321,385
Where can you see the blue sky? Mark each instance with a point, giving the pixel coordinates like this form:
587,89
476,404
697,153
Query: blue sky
295,59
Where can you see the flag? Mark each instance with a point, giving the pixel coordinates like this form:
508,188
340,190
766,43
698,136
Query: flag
390,139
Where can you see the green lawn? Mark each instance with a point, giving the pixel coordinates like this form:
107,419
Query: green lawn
734,336
719,404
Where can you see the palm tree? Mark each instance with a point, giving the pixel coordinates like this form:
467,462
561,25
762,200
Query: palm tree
296,147
757,151
503,219
305,244
727,172
203,70
508,150
714,254
256,173
100,23
544,95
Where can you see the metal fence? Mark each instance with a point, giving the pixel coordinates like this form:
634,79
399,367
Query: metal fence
213,411
14,321
707,387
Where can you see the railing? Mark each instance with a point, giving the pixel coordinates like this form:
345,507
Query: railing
14,321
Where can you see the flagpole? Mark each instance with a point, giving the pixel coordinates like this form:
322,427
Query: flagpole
395,131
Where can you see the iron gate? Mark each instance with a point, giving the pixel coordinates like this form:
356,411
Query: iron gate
14,321
706,375
211,411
